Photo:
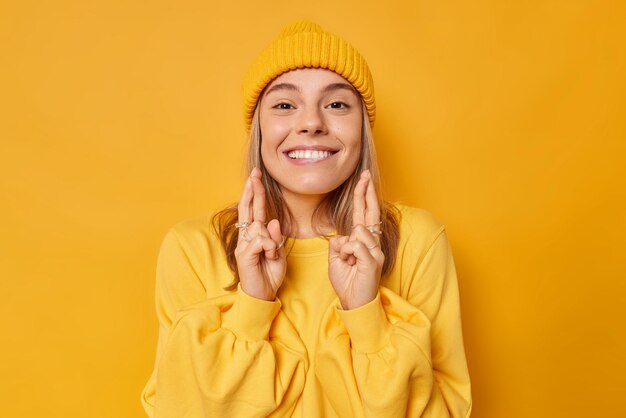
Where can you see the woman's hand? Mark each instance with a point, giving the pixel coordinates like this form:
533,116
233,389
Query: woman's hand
355,262
261,261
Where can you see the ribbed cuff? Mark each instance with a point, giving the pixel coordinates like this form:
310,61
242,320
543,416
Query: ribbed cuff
367,326
250,318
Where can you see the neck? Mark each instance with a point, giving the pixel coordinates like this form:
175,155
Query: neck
302,208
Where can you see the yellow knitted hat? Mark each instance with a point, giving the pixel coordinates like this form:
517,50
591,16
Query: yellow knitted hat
304,44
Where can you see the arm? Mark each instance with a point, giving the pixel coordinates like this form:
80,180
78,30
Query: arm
395,355
232,355
404,357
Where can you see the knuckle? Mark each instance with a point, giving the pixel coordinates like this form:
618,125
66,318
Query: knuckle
253,229
258,240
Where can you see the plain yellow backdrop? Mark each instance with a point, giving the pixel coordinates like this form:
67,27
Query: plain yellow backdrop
504,119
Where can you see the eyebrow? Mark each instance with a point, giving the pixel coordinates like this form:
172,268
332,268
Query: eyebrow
339,86
328,88
282,86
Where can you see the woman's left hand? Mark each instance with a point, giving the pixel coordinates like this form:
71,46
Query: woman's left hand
355,262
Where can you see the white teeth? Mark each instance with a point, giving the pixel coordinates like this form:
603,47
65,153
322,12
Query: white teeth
309,155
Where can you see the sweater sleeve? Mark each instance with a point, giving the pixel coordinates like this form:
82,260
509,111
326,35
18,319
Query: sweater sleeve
398,355
230,355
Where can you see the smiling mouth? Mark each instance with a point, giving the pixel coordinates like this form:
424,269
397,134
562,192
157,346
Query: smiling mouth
309,154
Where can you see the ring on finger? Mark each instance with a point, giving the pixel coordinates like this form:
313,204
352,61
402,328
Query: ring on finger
242,225
370,227
373,228
282,242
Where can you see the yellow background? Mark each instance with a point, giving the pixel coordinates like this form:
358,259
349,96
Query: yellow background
504,119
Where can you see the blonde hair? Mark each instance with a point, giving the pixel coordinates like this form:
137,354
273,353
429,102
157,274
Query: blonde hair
336,206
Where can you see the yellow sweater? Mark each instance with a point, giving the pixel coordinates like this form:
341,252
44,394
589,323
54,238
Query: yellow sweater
226,354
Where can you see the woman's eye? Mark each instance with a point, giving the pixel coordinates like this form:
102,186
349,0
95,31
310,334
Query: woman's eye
338,105
283,106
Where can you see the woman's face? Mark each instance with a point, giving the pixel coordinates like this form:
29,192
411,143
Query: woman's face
310,123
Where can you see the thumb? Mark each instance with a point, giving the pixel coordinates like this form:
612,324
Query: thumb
273,227
336,242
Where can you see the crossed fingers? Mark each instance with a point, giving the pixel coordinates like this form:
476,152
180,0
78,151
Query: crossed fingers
252,219
366,224
364,240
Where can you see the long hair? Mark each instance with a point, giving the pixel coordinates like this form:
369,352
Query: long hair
336,206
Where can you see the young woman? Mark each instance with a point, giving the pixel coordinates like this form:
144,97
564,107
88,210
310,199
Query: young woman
312,297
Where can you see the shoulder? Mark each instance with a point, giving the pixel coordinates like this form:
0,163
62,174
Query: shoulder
192,233
191,254
420,232
418,226
422,255
195,240
198,228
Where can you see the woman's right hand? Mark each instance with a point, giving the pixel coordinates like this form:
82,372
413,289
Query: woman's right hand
261,260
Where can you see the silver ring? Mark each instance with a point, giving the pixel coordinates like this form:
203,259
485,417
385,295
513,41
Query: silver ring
372,228
244,224
282,243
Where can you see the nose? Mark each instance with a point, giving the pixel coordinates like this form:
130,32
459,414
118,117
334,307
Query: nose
311,122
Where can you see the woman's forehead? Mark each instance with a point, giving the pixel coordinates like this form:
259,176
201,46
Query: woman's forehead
309,78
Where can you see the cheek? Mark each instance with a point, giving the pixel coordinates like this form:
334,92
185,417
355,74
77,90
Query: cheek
355,157
273,133
348,130
351,137
356,148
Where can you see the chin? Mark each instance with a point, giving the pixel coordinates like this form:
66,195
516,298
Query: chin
311,186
